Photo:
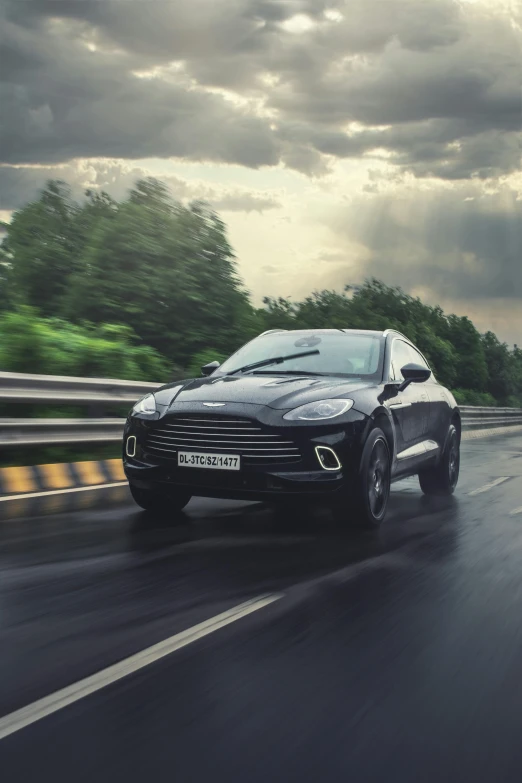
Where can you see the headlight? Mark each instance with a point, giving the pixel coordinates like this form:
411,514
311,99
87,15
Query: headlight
147,404
316,411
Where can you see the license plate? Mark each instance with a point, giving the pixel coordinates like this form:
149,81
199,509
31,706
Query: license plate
193,459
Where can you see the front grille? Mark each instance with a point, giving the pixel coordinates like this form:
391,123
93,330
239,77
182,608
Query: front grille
220,434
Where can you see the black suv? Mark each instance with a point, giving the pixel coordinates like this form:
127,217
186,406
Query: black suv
323,414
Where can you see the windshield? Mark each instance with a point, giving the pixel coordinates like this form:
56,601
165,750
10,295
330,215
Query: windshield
339,353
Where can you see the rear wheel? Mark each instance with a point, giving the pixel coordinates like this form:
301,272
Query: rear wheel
367,503
153,501
442,479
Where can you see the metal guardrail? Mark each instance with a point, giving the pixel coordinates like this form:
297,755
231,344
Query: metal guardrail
59,432
477,418
104,392
22,387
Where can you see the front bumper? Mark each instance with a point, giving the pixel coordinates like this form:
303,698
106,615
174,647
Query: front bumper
258,485
305,476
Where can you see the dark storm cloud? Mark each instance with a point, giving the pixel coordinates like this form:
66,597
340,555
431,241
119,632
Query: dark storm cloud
63,101
434,84
457,243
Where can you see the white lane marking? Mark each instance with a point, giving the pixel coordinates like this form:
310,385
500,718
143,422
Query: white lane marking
62,491
9,724
489,486
515,511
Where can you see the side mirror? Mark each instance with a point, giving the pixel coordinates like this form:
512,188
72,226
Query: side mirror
208,369
414,373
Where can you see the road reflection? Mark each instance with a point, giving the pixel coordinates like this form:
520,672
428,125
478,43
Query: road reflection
82,526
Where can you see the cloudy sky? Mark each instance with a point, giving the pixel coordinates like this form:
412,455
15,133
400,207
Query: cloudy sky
338,139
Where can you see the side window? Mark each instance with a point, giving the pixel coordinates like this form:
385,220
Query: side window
402,354
400,357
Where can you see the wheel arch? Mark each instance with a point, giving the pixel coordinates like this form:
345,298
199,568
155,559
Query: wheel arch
457,422
382,419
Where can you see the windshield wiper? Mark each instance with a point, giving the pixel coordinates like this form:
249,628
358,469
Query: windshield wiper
288,372
273,360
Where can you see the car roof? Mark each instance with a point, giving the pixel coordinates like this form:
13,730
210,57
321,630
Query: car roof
372,332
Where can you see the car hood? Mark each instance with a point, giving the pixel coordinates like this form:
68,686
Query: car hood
274,391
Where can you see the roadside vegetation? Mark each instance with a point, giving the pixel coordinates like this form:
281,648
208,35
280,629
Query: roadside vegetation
147,288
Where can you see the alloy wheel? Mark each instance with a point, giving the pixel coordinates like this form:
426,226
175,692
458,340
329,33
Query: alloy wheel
378,479
453,459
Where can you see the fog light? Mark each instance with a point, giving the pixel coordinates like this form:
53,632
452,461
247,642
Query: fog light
327,458
131,446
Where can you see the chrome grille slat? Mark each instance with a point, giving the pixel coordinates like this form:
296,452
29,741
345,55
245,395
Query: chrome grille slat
204,428
212,435
216,435
249,456
221,422
179,443
222,442
246,451
274,456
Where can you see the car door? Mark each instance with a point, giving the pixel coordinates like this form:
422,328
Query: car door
440,411
409,408
426,395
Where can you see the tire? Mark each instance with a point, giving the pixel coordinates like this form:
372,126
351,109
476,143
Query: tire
366,504
442,479
152,501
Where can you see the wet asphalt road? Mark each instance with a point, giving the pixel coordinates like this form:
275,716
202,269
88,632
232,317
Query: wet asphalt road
395,656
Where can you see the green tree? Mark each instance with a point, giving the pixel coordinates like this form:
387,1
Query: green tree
165,270
471,368
501,375
278,314
5,267
42,247
516,368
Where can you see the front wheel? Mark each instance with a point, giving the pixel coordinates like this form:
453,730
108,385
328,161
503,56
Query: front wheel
442,479
366,505
153,501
